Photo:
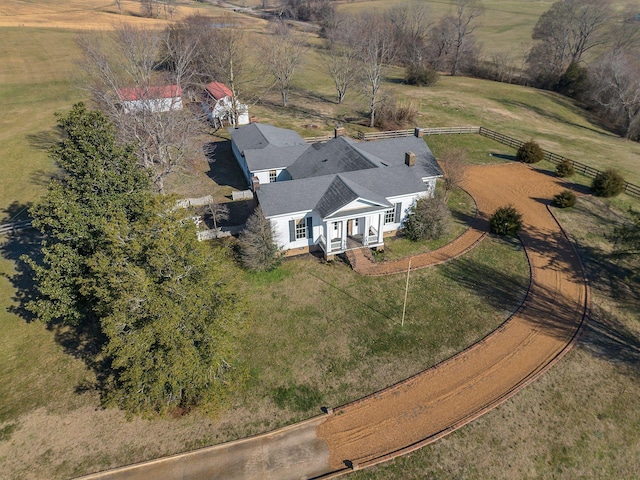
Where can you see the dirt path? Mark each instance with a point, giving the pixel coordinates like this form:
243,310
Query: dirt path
423,408
361,262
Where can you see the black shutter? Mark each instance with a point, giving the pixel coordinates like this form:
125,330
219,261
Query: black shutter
398,212
310,228
292,230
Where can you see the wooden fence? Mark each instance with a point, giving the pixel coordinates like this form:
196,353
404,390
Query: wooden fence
579,167
320,139
411,131
8,228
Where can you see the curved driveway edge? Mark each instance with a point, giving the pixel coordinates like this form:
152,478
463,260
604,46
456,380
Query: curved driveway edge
425,407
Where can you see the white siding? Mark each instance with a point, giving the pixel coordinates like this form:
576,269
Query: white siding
407,201
242,162
263,175
280,225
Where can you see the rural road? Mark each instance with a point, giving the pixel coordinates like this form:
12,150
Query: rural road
435,402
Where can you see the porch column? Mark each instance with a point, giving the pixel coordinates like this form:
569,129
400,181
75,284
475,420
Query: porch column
380,227
327,240
343,235
365,235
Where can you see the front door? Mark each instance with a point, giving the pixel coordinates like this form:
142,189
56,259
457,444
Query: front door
336,231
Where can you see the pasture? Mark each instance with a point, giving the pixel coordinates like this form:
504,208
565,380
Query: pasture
338,337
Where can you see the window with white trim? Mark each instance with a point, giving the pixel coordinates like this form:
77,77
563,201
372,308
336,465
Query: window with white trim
301,228
273,176
389,216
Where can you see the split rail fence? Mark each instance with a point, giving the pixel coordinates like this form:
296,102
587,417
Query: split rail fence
554,158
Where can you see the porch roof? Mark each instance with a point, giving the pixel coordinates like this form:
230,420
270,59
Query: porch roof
341,192
357,212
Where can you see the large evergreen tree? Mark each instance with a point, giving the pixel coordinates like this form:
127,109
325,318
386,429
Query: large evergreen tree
126,263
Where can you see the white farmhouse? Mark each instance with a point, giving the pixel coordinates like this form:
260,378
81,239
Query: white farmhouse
337,195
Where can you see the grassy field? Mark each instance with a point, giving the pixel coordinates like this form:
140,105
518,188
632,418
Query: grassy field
339,339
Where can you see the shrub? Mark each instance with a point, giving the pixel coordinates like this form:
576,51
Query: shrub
608,184
506,221
428,218
565,168
393,114
564,199
530,152
421,75
258,249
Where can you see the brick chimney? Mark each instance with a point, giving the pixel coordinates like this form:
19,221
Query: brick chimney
418,132
253,119
339,131
255,183
410,159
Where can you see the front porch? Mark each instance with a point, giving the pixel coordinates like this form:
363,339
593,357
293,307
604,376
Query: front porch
352,232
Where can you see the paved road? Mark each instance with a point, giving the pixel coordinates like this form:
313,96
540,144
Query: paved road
441,399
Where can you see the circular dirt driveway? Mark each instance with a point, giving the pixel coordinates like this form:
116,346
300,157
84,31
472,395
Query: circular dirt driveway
435,402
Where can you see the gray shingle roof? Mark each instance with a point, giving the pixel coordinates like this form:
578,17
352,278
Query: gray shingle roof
391,152
257,136
329,193
341,192
273,157
336,156
292,196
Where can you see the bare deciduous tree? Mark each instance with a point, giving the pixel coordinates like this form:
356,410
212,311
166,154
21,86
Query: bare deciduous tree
411,23
453,162
615,81
131,58
376,49
343,56
440,44
566,32
463,20
219,212
282,54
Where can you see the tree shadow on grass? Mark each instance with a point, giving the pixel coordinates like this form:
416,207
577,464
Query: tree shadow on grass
44,139
605,336
14,247
501,290
84,342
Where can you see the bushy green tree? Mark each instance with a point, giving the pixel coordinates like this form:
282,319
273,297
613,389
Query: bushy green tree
608,183
530,152
565,168
100,187
428,218
564,199
506,221
124,262
574,82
